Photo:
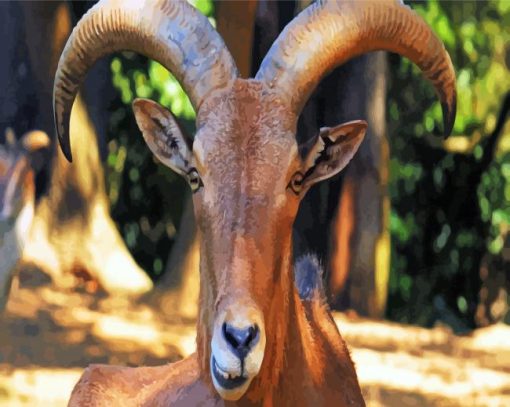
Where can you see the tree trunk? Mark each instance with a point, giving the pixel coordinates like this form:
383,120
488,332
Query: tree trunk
73,233
177,291
493,301
235,21
361,248
17,102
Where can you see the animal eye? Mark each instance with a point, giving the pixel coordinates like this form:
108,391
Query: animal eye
194,180
296,183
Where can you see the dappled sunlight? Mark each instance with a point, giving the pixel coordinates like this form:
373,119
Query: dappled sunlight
495,338
52,386
387,335
122,331
118,328
408,365
430,374
59,332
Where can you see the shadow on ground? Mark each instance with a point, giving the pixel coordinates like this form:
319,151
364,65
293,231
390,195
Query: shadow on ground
48,335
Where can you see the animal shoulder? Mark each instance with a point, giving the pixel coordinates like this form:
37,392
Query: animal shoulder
172,384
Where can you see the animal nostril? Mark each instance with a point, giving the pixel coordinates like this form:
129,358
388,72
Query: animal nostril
241,340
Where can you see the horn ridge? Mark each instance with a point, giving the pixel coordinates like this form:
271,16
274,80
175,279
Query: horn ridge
172,32
328,33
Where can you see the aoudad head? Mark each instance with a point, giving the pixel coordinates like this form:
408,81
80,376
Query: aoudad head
244,166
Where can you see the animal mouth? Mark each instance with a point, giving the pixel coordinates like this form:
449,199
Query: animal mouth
225,379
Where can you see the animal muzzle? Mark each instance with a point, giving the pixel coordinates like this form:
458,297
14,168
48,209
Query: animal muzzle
237,346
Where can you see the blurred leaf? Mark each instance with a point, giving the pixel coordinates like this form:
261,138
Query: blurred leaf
447,236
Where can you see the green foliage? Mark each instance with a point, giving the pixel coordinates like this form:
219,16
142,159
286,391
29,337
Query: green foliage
146,198
448,206
494,198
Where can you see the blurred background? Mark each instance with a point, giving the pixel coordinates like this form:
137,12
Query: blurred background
414,234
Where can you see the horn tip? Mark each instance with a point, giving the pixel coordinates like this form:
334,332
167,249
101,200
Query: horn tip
449,113
65,145
66,148
62,132
67,152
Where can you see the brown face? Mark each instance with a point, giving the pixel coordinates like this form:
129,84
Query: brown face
248,178
245,162
244,210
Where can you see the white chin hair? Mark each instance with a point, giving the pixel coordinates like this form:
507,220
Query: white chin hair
231,394
230,386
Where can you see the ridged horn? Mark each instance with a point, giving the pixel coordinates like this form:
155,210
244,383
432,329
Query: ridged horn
171,32
327,34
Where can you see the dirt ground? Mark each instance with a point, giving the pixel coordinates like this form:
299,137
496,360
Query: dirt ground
48,335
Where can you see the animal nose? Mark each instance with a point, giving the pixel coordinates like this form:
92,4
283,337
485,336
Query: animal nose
241,340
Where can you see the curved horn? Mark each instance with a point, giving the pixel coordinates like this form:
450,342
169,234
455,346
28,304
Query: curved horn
327,34
171,32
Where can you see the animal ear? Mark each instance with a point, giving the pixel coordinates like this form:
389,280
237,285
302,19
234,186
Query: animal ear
35,140
35,144
10,138
163,135
332,151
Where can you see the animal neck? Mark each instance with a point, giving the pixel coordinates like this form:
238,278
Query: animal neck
288,338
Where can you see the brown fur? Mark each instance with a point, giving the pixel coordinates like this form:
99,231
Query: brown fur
248,180
245,222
